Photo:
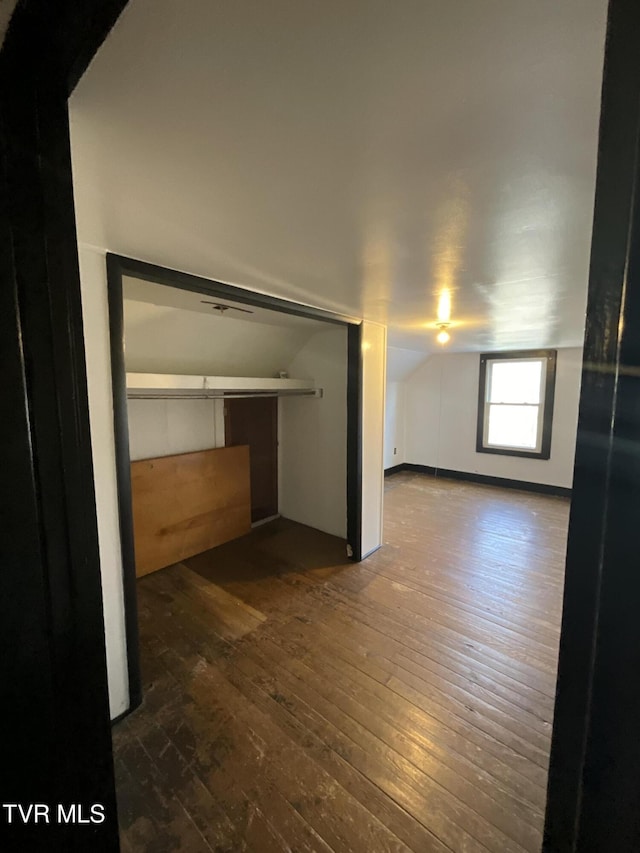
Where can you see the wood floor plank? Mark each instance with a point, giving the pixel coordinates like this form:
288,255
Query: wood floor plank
417,632
470,675
230,764
172,827
314,791
372,750
420,646
406,683
296,701
465,842
411,726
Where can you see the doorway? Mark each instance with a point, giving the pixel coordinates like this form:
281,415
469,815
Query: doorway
586,557
253,421
126,277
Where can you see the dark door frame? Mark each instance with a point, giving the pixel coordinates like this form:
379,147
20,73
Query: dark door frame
593,789
56,736
119,266
55,707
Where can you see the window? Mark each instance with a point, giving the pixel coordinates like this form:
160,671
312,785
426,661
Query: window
515,403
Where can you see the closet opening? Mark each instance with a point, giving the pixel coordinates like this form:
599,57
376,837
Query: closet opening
232,411
253,421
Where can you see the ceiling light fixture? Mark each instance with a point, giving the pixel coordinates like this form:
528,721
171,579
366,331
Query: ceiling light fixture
443,336
216,306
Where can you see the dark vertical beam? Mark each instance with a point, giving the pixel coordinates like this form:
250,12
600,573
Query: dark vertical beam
610,815
62,596
593,793
55,714
27,677
123,477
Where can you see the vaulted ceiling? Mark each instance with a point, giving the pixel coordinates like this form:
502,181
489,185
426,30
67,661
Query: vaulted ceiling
167,330
361,156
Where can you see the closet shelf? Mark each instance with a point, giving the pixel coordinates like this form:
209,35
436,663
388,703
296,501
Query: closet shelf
172,386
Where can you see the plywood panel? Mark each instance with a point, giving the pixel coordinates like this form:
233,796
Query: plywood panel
186,504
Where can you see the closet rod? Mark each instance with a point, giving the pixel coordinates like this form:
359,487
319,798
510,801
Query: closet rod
221,395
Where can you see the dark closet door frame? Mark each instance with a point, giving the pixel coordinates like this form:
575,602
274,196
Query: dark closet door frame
47,488
119,266
593,789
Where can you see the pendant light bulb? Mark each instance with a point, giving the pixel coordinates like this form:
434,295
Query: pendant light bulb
443,336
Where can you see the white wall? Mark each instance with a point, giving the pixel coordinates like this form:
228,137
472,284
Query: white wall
313,437
98,354
394,424
374,352
166,427
400,364
441,417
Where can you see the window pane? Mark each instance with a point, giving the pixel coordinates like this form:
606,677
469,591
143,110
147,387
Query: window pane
514,381
513,426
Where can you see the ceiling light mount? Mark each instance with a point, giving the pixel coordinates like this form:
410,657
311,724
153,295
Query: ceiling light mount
443,336
220,308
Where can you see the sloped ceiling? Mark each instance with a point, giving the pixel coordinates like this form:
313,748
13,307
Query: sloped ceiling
360,156
402,362
170,331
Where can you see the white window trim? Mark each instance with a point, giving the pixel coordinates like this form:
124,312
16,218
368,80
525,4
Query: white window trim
539,406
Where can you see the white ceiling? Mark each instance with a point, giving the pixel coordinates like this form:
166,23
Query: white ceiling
359,156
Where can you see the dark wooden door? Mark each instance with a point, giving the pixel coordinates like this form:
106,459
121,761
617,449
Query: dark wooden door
254,421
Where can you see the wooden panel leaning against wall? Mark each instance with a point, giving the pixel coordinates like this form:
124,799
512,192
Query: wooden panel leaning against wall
185,504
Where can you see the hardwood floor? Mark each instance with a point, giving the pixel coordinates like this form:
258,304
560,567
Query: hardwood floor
295,701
